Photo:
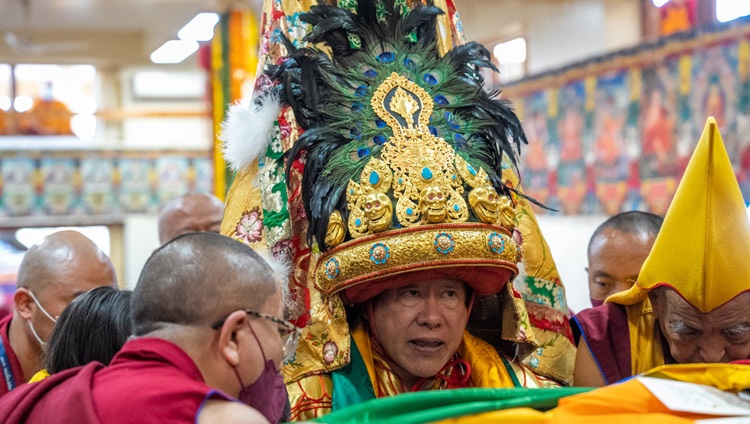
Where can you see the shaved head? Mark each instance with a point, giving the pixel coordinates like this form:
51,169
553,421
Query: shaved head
52,274
640,223
62,257
197,279
189,213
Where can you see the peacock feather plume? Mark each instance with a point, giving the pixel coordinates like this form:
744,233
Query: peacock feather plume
330,88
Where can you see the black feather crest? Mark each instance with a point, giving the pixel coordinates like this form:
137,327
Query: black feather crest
330,96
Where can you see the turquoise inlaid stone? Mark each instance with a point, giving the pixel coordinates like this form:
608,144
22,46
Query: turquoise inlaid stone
409,211
426,173
358,222
374,178
471,169
456,208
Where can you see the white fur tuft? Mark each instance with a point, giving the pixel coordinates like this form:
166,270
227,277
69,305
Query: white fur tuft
282,267
247,130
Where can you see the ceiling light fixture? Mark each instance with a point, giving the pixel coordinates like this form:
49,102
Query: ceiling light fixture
730,10
174,51
200,28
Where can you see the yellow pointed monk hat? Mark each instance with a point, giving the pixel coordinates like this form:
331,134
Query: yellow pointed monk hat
703,248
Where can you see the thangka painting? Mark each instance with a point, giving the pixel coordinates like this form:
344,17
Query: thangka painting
615,133
713,92
100,184
172,174
660,104
539,177
570,127
615,143
97,176
60,182
137,183
17,186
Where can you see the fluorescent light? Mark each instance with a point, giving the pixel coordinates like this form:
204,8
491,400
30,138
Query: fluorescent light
200,28
83,126
5,103
513,51
659,3
174,51
728,10
23,103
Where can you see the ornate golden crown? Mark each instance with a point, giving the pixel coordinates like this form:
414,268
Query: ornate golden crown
403,151
426,178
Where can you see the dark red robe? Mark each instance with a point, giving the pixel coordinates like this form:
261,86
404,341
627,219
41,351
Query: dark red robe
10,370
605,331
149,380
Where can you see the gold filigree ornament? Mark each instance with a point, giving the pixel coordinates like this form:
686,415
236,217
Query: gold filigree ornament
370,208
378,256
425,180
488,206
336,229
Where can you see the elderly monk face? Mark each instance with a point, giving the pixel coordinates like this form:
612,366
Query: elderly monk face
722,335
615,259
420,326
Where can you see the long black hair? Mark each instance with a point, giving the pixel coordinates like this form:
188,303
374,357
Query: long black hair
92,328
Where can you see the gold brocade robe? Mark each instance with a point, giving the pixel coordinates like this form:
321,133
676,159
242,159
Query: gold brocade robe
311,396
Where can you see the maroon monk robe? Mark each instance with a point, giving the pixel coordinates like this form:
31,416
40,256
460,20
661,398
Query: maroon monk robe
12,374
605,331
149,380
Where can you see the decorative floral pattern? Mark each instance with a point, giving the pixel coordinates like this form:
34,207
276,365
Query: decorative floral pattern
330,350
283,249
250,228
296,28
444,243
379,253
496,243
332,268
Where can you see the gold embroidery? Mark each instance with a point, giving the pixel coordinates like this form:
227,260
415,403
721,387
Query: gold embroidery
358,261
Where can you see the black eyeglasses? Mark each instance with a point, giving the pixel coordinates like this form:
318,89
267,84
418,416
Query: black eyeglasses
289,332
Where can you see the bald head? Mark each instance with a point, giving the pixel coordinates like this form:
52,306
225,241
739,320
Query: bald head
189,213
65,258
644,224
198,278
617,251
52,274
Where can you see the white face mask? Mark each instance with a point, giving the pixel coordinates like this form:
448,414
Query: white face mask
31,326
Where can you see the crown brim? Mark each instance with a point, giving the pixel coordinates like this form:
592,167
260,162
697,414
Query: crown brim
482,256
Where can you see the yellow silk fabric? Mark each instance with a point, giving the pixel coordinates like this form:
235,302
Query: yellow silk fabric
727,377
243,196
628,402
645,343
703,247
39,376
